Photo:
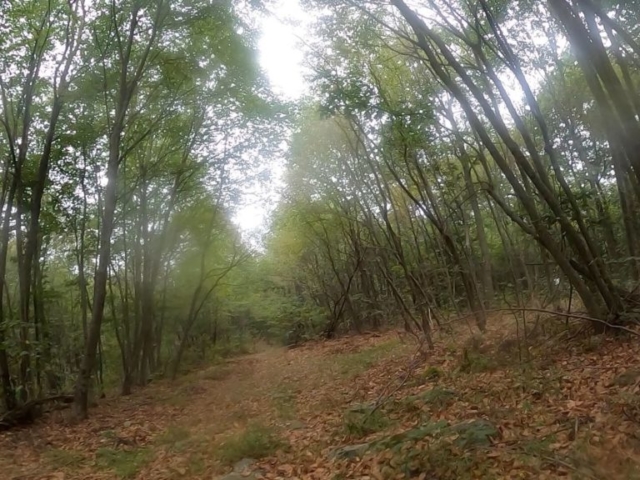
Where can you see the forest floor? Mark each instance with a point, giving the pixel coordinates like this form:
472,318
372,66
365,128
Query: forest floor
365,407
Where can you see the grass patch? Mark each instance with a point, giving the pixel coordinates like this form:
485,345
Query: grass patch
437,458
196,465
589,461
176,439
440,451
216,373
256,441
125,464
537,446
184,392
60,458
283,399
350,364
361,421
476,362
442,462
396,441
592,344
438,397
431,374
537,384
178,400
478,356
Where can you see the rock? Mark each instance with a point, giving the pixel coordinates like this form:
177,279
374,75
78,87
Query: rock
243,465
477,433
241,471
127,424
350,451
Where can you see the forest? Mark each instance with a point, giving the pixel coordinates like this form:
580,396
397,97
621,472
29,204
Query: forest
451,161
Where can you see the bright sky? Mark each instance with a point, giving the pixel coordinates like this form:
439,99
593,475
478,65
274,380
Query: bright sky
281,57
280,50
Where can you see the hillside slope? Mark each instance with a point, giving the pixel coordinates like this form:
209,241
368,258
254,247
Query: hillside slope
365,407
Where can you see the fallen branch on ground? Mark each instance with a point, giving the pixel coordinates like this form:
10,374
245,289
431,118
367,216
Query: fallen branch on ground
417,359
30,411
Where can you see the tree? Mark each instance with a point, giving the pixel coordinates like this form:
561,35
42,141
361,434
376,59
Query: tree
117,118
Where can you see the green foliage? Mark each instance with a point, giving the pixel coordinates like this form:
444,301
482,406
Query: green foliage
196,465
255,441
477,433
177,439
362,420
477,356
125,464
59,458
440,461
436,397
404,199
396,441
216,373
283,399
432,373
538,447
445,451
190,108
476,362
351,364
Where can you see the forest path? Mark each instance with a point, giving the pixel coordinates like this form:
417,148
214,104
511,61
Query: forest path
365,407
172,430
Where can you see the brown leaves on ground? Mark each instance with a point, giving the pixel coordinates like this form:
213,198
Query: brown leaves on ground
550,408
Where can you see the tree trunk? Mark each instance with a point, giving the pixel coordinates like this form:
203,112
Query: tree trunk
81,396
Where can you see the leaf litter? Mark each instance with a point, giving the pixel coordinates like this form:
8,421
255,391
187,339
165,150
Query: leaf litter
550,410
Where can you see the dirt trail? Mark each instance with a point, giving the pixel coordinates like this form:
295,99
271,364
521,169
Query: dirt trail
363,407
172,430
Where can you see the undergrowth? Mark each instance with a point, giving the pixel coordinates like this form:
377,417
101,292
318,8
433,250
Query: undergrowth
350,364
436,398
125,464
60,458
256,441
362,420
176,439
283,399
448,452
